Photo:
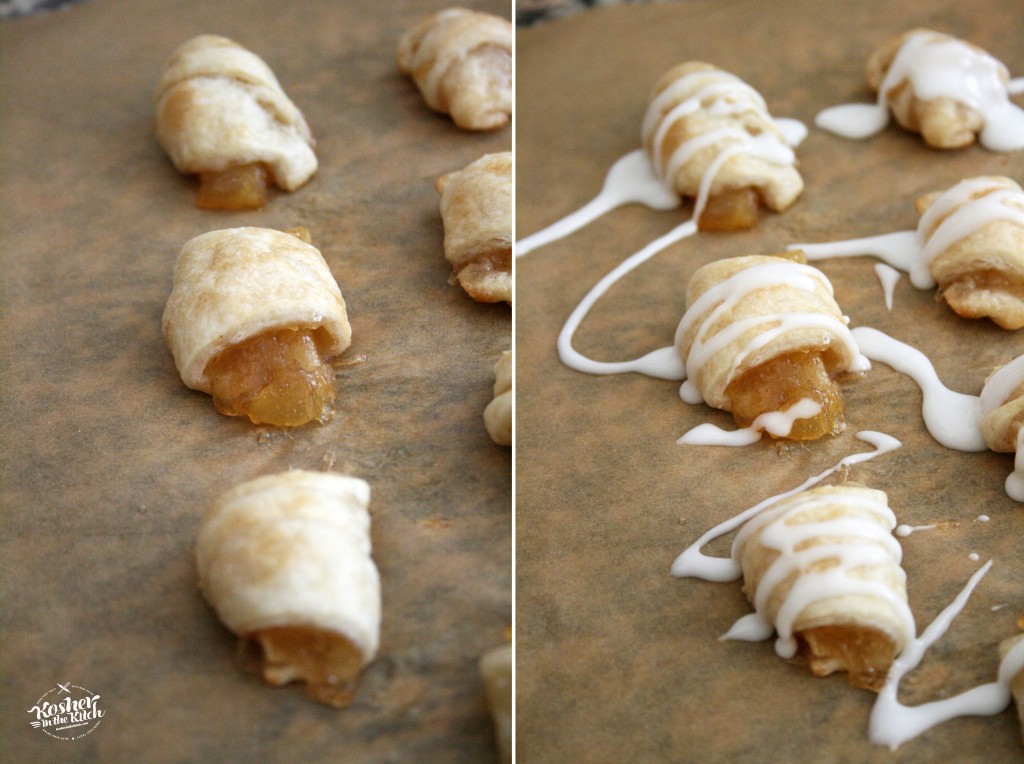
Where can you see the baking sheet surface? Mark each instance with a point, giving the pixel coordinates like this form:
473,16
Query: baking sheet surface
616,659
108,461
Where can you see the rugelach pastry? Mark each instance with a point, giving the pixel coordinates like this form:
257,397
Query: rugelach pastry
461,61
496,670
823,568
704,124
254,319
498,414
973,245
221,114
476,208
763,333
285,561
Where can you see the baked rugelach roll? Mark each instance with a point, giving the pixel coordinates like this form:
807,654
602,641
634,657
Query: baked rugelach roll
461,61
762,334
255,318
285,561
498,414
476,208
973,245
496,670
1017,682
705,125
948,90
221,114
823,568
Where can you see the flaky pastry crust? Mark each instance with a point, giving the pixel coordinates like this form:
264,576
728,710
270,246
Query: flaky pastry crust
498,414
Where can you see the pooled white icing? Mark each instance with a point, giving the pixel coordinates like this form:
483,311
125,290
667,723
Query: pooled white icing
939,66
953,419
982,518
777,423
693,562
893,724
887,277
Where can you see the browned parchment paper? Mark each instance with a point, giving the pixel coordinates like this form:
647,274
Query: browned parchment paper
108,461
617,660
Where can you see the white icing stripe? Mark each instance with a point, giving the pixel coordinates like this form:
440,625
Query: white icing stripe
967,215
1001,384
777,423
887,277
892,724
1015,480
953,419
692,562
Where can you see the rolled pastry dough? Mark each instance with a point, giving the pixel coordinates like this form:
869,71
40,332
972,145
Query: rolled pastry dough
1017,682
285,560
461,61
700,116
219,105
973,244
946,89
496,670
745,312
1002,406
498,414
823,568
476,208
234,284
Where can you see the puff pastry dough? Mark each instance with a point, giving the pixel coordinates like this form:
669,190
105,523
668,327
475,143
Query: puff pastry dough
946,89
476,208
254,318
823,568
285,560
496,670
461,61
973,237
1017,683
706,126
762,333
221,113
498,414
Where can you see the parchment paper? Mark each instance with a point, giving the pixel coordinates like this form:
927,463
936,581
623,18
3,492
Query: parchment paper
109,461
616,659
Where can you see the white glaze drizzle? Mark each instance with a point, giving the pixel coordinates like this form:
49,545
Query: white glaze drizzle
953,419
694,563
905,530
982,518
893,724
1015,480
939,66
636,178
777,423
1001,384
887,277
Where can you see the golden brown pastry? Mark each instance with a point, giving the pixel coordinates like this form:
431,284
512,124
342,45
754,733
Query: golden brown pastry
476,207
461,61
254,319
760,335
1017,682
221,114
496,670
948,90
705,125
285,560
823,568
498,414
973,236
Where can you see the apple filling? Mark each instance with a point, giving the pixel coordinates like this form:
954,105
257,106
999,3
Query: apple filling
278,377
238,187
866,654
329,663
731,210
781,382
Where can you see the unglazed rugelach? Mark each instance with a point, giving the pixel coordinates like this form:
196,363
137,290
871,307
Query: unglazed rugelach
254,319
476,208
498,414
973,246
285,561
221,114
461,61
763,334
706,126
496,671
823,568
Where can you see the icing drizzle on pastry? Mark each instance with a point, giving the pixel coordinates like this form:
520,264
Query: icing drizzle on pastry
939,66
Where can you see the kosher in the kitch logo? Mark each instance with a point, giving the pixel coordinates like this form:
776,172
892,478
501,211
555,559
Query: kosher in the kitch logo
67,712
